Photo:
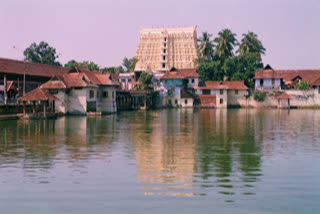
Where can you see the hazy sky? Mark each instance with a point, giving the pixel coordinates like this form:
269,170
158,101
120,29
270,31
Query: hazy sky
105,31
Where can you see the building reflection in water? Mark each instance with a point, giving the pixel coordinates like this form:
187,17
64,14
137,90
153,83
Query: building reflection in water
165,153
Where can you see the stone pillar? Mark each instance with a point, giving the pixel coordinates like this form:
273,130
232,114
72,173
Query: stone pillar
5,89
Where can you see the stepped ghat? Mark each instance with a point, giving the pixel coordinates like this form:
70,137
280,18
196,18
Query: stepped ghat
164,48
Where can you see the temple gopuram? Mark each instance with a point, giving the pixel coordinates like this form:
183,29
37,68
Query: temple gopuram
163,48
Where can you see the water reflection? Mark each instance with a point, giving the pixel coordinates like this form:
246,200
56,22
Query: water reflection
186,152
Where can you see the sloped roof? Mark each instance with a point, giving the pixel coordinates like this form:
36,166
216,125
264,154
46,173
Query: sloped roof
284,95
236,85
37,94
180,73
10,66
189,72
288,75
173,75
207,100
79,79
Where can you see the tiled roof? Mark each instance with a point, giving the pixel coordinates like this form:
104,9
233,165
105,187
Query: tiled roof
173,75
190,72
236,85
207,100
53,84
316,82
288,75
37,94
284,95
180,74
79,79
10,66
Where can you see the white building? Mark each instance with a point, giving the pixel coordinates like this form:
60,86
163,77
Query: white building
82,91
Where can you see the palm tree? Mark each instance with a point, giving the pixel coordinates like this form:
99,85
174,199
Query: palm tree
225,43
205,46
251,44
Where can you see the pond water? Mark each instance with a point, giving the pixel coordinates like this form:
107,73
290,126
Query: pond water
164,161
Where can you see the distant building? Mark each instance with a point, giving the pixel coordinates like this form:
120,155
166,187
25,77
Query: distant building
164,48
221,94
177,87
270,79
79,91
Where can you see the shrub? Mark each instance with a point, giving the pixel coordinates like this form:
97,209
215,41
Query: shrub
302,85
259,96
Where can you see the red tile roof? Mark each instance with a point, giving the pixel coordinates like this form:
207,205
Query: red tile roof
207,100
289,75
235,85
10,66
189,72
284,95
180,74
37,94
79,79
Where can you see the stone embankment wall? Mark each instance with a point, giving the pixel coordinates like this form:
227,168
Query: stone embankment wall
298,99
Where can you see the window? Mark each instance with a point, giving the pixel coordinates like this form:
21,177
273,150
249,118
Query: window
113,94
206,91
319,89
221,91
123,80
169,101
91,94
105,94
192,80
165,39
164,57
176,102
273,81
164,51
186,101
261,82
163,65
221,101
98,94
173,89
165,45
236,91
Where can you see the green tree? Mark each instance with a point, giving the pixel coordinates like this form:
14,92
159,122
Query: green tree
205,46
242,67
41,53
225,43
129,64
89,65
145,80
210,70
251,44
303,85
71,63
115,70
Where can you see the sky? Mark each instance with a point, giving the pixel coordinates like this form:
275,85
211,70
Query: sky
106,31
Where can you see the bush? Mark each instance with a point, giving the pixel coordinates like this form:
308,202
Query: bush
259,96
302,85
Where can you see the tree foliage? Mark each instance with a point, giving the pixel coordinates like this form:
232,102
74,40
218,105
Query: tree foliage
129,64
87,64
223,64
144,82
302,85
205,46
251,44
259,96
41,53
225,43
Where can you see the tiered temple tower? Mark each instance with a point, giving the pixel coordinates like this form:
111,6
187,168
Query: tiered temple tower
164,48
